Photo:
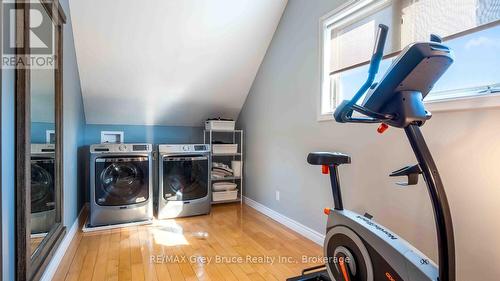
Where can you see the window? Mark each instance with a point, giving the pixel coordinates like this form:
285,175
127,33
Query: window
475,69
469,27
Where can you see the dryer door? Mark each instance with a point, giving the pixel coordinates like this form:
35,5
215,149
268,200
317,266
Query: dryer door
121,180
185,178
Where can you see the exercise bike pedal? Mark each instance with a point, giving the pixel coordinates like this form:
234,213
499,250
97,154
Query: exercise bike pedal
412,172
315,273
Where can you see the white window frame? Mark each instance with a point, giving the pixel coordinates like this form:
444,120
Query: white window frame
461,99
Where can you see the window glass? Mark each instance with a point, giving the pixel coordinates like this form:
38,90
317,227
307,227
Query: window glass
352,44
474,71
349,41
350,81
477,57
419,18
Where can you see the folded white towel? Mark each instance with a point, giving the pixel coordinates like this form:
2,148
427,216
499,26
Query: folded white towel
221,186
222,172
222,166
217,176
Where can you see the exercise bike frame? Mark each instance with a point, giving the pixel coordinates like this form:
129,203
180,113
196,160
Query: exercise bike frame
441,209
442,215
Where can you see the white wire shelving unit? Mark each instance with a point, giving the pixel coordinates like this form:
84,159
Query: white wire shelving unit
236,136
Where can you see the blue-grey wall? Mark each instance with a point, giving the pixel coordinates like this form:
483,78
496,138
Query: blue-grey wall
39,131
8,176
149,134
74,124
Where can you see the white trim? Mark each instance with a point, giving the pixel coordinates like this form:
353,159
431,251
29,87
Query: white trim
38,235
345,14
464,103
325,117
86,228
321,26
51,268
305,231
452,104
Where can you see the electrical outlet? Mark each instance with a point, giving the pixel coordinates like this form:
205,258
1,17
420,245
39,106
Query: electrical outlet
277,195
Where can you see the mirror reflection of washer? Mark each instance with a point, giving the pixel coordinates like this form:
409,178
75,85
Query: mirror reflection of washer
183,180
43,212
121,188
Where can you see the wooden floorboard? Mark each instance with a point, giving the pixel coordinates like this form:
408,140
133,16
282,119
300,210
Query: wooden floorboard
238,243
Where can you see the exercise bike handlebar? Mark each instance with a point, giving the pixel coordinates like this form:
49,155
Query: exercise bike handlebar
343,112
378,50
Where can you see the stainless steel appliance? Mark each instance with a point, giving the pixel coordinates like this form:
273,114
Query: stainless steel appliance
183,180
43,213
121,188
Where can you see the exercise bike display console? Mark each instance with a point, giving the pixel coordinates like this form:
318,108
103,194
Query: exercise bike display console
356,247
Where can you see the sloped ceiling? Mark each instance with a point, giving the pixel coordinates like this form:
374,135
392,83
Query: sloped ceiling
169,62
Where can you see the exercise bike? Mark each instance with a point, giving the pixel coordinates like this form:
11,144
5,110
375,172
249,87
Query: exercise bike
357,248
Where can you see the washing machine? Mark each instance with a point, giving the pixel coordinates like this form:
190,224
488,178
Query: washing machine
183,180
121,183
43,212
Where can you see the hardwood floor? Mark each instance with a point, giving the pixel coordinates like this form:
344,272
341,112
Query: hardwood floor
35,242
232,243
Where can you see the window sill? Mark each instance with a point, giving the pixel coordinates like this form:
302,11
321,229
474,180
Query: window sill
443,105
325,117
464,103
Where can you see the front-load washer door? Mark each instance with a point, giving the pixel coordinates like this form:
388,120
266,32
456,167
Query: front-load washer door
185,178
121,181
42,184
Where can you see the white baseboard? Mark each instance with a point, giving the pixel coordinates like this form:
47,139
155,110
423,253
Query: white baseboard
305,231
51,268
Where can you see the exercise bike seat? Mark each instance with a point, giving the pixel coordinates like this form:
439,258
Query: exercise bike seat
328,158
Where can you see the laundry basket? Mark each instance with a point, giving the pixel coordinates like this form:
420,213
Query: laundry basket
225,148
224,195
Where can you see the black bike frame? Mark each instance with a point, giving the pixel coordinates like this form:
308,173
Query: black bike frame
442,215
335,182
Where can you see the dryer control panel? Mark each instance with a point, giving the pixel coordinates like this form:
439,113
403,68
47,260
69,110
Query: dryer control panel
184,148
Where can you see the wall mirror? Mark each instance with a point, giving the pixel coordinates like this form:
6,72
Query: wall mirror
39,175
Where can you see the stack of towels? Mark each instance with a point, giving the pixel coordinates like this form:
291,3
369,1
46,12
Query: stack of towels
221,170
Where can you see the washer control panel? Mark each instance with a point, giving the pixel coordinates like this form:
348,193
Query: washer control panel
121,147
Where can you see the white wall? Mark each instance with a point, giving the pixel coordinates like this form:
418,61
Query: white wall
279,117
170,62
